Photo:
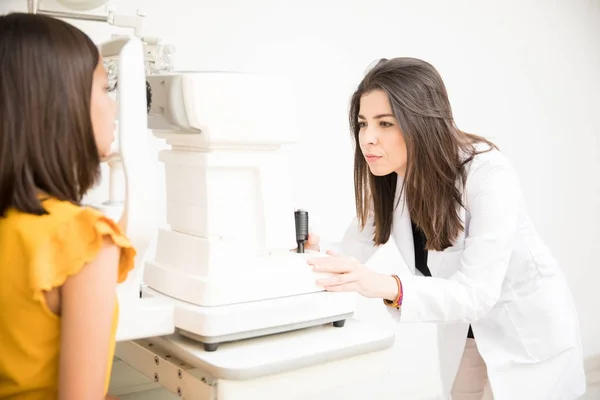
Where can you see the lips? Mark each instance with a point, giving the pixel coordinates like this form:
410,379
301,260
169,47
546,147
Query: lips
372,157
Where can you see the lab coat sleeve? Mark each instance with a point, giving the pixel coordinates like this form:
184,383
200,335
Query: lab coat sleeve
493,200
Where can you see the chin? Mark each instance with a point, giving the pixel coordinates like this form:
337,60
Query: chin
105,154
380,171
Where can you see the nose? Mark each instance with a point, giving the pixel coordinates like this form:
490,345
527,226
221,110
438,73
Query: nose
369,135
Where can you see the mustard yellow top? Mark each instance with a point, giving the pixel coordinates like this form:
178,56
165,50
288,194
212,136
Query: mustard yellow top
38,253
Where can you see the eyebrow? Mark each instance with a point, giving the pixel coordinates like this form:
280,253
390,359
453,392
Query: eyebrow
377,116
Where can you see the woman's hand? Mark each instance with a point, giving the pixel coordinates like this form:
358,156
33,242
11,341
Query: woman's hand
351,276
312,243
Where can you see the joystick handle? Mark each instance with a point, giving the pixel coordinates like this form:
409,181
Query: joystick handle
301,220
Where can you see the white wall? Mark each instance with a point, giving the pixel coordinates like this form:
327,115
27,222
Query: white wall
522,72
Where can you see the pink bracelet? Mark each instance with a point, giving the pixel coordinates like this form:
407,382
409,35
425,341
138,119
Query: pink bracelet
397,303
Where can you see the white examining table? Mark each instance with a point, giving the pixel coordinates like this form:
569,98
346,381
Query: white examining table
314,363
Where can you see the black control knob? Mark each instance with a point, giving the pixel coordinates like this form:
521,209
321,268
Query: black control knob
301,220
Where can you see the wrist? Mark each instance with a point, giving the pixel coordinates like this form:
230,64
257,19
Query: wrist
390,289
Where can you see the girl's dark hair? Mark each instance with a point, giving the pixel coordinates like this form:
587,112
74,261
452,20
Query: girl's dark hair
437,152
47,144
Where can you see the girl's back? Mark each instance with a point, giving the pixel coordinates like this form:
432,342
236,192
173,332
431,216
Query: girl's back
59,262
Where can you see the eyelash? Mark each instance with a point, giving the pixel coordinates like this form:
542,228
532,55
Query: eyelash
383,124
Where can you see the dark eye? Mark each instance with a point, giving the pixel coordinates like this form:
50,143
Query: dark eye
362,124
386,124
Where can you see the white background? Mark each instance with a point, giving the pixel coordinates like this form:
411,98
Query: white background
524,73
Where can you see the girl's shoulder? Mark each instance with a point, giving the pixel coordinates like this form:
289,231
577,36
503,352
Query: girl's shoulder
60,243
65,222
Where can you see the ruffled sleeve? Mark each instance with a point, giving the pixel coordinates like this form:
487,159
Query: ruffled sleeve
75,242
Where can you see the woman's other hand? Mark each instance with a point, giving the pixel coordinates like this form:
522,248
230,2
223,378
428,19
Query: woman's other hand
351,276
312,243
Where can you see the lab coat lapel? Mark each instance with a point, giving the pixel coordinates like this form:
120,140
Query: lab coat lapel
403,236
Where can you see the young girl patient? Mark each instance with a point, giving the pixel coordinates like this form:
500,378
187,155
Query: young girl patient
59,262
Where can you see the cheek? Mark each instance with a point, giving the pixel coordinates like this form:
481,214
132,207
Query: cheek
103,123
395,149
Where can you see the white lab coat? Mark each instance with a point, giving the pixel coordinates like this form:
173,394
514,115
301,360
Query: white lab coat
501,278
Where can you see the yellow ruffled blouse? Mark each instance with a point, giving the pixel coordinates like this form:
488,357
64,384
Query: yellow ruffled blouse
38,253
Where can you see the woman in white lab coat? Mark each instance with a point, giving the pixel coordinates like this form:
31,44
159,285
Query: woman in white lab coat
451,201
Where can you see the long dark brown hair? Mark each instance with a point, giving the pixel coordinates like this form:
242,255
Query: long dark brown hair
47,143
437,152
